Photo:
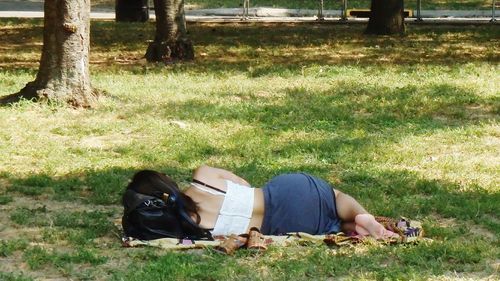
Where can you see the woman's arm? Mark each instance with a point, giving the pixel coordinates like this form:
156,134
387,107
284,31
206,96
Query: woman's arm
217,177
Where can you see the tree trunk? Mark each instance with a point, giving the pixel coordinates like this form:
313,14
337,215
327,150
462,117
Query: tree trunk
171,42
132,10
386,17
63,75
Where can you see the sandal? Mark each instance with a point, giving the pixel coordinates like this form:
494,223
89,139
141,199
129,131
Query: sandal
231,244
256,240
413,234
340,239
409,231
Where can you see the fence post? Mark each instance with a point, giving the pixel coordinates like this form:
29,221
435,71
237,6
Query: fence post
343,16
320,10
493,10
419,9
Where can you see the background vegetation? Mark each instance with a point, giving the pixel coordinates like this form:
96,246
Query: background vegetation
351,4
409,125
334,5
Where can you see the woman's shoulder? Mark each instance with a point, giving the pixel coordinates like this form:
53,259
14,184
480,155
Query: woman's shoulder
209,176
201,169
217,175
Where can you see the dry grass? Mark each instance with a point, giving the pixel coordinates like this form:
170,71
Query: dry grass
292,45
408,125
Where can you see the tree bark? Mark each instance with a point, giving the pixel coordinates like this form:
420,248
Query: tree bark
131,10
386,17
171,42
63,74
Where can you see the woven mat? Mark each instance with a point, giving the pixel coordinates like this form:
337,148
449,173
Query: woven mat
409,232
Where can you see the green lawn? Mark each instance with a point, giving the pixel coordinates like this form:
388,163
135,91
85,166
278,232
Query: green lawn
408,125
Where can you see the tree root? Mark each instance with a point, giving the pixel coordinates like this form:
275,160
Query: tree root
168,52
32,92
29,92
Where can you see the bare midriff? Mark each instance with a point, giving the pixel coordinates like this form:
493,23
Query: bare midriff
258,209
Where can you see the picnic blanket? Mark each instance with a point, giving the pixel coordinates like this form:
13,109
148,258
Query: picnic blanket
408,231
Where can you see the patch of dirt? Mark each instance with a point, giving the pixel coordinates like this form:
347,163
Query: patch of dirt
4,185
9,230
475,229
493,219
446,222
480,112
483,232
15,263
103,142
31,202
455,276
12,232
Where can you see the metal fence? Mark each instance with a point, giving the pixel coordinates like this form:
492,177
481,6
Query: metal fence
345,11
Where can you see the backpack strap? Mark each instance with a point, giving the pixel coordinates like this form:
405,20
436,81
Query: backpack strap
209,186
132,200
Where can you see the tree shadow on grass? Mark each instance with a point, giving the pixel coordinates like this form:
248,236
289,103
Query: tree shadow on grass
92,186
296,45
393,112
349,122
389,193
273,48
386,192
407,193
281,49
346,119
101,187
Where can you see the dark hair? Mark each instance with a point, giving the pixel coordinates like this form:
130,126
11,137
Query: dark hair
149,214
143,182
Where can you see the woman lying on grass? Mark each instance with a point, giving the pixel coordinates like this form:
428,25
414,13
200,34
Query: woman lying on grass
220,203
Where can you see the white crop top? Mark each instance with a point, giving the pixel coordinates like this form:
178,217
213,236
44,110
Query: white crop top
237,207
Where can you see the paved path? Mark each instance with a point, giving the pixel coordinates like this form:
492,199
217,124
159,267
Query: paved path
34,9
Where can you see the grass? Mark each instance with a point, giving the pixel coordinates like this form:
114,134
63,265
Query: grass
408,125
37,258
5,199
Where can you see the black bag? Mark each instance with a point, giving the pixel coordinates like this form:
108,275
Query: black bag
149,216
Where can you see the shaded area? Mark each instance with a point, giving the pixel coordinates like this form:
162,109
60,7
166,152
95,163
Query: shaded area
267,48
405,193
344,107
345,124
350,125
412,263
390,193
350,121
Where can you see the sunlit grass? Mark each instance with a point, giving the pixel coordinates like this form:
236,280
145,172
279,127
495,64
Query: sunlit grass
409,125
